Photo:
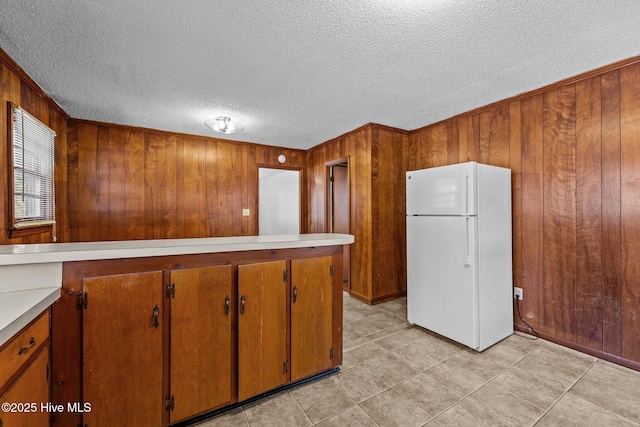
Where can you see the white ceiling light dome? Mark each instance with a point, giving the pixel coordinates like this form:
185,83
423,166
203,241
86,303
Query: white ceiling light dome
224,124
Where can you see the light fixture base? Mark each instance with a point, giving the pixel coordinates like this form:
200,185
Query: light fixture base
224,124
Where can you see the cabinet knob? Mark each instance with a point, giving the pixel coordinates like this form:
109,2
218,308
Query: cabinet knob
32,343
156,312
227,302
242,301
295,293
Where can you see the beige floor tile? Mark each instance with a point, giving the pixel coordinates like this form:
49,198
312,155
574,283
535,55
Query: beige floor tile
611,389
617,376
359,383
391,368
486,364
349,316
539,383
352,417
443,346
572,410
428,393
467,414
348,362
322,399
388,320
419,354
352,340
364,326
394,341
377,336
281,410
235,418
455,377
428,375
510,408
390,408
563,357
520,345
366,352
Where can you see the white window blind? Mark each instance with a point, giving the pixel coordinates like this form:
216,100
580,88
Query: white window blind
33,179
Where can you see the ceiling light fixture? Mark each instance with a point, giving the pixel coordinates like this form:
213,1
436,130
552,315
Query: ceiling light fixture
224,124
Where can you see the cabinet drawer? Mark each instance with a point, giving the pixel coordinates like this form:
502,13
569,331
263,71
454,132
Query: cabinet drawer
22,346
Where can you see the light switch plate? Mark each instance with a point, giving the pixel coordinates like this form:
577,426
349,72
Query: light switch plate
246,212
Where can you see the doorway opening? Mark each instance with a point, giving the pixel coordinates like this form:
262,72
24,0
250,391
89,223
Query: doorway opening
338,214
278,201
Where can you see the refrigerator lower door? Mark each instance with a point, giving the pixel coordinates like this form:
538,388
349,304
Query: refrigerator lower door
442,286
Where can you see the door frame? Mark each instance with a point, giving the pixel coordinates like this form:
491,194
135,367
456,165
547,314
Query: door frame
328,214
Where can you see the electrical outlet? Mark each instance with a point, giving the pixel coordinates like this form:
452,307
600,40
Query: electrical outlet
517,292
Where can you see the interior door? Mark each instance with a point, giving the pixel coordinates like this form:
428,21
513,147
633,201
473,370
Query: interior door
262,327
340,212
122,350
441,276
311,313
278,201
201,346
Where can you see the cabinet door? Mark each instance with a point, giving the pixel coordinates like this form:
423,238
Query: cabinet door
200,340
122,350
311,316
262,327
31,387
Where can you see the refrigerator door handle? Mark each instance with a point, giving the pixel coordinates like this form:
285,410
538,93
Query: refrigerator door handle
466,195
467,258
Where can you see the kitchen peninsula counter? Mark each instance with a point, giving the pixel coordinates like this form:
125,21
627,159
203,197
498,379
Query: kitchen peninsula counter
31,275
179,327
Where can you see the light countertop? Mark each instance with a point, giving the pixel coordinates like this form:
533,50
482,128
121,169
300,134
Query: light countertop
85,251
18,308
31,275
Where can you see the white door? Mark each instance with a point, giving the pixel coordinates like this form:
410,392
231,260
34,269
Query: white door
444,190
441,276
278,201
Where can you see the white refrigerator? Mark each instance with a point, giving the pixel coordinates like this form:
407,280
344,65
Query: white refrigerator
459,264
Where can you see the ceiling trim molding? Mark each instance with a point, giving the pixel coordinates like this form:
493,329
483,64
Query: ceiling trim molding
565,82
17,69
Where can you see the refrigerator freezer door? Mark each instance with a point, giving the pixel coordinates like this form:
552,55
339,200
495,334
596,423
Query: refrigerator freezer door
446,190
442,282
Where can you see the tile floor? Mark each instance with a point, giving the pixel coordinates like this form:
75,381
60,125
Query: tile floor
394,374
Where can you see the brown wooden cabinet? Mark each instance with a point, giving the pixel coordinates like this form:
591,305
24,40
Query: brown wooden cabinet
24,376
201,342
162,340
30,391
312,295
122,349
263,291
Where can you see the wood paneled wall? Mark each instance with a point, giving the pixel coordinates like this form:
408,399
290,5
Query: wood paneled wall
19,89
376,157
574,152
130,183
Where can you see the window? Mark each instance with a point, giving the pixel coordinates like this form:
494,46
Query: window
32,162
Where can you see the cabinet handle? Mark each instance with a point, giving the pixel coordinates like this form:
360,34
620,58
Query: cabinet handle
156,311
295,294
242,301
32,343
227,301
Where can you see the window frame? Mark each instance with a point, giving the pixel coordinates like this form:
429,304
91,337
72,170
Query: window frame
25,229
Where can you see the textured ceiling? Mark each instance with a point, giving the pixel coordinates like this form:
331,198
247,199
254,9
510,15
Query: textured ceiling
297,73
